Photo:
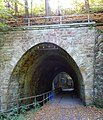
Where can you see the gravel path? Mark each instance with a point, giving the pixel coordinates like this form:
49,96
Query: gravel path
66,107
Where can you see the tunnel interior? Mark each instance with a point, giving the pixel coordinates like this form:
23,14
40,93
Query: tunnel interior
63,82
35,71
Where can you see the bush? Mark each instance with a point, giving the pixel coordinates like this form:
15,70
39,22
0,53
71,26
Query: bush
4,27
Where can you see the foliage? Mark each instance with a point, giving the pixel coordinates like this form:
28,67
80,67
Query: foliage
9,11
39,10
96,9
13,115
4,13
97,104
4,27
23,109
95,2
36,105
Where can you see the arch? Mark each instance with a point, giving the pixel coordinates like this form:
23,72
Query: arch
35,71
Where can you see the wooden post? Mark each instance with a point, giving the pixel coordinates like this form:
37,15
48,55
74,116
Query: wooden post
17,106
43,100
48,96
35,102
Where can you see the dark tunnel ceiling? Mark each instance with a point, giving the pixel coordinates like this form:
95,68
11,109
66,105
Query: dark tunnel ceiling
53,65
38,67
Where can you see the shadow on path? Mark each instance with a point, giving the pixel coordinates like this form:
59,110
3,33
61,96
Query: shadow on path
67,99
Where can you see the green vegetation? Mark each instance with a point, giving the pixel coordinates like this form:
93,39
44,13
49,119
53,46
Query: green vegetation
20,114
4,27
15,8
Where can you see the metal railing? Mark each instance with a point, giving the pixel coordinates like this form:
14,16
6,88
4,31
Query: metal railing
48,20
28,101
54,20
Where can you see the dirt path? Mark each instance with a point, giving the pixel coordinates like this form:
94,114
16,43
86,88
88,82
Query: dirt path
66,108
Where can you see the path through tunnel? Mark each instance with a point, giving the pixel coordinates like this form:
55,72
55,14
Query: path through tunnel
37,68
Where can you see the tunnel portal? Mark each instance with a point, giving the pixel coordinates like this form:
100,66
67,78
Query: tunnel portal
37,68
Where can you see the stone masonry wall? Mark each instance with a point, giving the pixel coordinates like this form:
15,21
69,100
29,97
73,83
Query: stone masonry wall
98,69
78,42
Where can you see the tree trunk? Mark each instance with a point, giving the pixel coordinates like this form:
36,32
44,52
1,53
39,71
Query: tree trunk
87,5
16,8
31,8
8,5
26,9
58,11
47,8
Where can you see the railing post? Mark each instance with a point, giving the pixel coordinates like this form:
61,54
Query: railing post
17,106
35,102
60,19
88,17
43,99
28,22
48,96
54,93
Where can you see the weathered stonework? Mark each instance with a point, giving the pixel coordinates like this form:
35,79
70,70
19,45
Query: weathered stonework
77,42
98,69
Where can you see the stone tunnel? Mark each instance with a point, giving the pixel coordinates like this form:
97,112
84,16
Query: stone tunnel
30,60
35,71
